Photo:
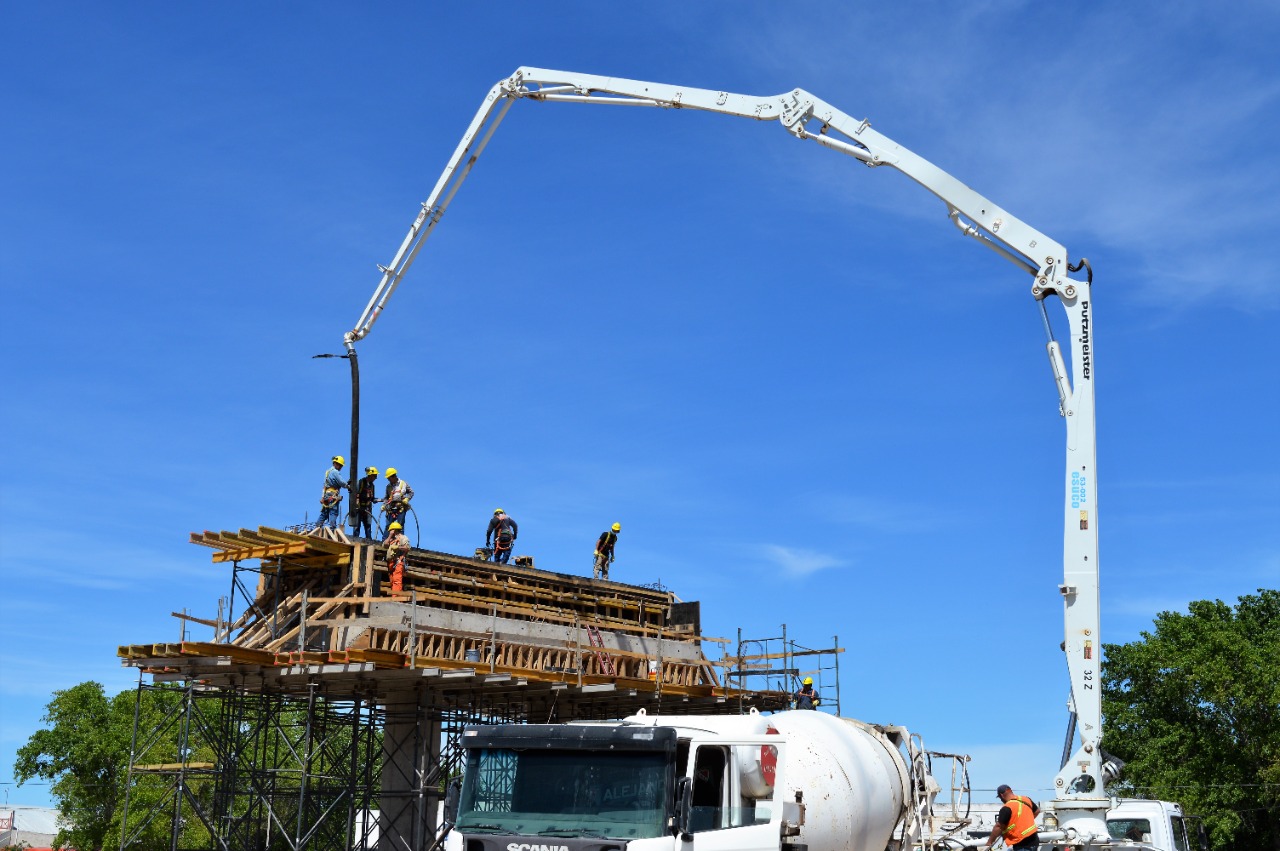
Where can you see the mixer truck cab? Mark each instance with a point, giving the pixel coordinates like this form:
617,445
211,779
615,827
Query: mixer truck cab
803,780
1161,824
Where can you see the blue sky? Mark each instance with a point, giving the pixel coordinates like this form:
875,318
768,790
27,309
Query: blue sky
806,399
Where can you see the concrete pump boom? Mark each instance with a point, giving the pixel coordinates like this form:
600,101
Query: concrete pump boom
1081,802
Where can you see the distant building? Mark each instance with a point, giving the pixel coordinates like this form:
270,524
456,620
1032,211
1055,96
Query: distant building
34,826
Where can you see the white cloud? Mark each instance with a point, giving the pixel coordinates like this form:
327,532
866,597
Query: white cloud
796,561
1147,150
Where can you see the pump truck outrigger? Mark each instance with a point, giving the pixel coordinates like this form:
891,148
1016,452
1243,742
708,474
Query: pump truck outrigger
1081,804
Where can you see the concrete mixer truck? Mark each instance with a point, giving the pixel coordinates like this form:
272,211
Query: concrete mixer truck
798,780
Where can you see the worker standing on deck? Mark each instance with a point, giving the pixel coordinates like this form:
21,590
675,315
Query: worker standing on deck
364,502
604,551
1016,821
503,530
397,549
396,499
806,697
331,496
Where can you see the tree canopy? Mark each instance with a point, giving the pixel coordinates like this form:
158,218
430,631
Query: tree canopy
1194,708
84,752
309,750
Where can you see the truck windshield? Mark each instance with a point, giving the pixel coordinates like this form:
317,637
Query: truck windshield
589,793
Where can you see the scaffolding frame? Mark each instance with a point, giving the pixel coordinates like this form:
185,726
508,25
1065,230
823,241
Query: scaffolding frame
754,661
327,714
255,770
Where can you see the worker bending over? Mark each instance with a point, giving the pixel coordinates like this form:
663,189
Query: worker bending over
396,499
806,697
365,500
503,530
604,551
1016,821
331,496
397,549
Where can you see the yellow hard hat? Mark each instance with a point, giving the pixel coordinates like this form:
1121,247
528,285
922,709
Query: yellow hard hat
371,471
339,460
395,527
391,471
498,511
617,527
807,680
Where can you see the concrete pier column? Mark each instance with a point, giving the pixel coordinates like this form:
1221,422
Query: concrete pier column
410,760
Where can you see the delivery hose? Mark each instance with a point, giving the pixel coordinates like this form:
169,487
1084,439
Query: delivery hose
1083,262
417,532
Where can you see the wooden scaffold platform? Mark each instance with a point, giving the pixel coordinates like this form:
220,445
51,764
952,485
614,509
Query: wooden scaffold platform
331,709
471,631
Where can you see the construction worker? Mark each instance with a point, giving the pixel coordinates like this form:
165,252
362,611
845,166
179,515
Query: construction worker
604,551
396,499
364,502
1016,821
503,530
397,549
331,496
806,697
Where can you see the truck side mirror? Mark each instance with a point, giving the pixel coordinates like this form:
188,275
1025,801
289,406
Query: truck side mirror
684,801
452,793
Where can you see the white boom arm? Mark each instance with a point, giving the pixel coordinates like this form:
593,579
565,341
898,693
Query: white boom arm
1081,803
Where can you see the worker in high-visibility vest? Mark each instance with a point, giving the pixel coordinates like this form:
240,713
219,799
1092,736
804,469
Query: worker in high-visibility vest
1016,821
331,496
397,549
396,499
604,551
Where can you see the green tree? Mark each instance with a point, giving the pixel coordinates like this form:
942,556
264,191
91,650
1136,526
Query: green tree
84,752
1194,708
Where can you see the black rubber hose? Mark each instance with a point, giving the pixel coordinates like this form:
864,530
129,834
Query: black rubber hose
1082,263
353,483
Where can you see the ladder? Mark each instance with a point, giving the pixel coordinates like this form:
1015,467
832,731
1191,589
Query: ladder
606,664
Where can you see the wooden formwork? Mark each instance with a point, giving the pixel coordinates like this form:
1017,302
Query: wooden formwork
322,603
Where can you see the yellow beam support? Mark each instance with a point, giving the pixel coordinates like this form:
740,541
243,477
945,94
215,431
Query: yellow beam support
260,552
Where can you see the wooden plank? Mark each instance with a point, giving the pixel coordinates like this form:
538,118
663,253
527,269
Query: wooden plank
379,658
270,534
729,661
323,545
194,619
206,539
330,604
269,551
524,612
253,538
326,560
243,655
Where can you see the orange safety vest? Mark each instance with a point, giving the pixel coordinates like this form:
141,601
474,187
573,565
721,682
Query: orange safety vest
1022,820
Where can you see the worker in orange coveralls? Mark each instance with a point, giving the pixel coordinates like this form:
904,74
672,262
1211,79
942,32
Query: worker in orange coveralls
397,549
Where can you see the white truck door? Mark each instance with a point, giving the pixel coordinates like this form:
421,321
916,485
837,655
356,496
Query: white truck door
720,819
1179,830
